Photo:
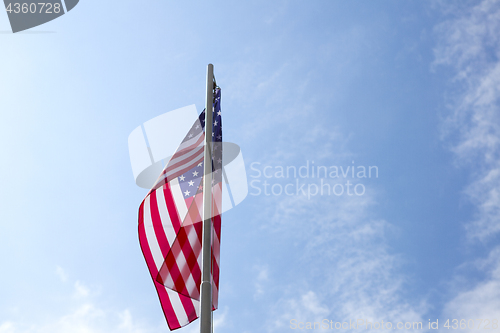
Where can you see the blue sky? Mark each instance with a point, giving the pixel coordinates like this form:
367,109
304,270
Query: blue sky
411,87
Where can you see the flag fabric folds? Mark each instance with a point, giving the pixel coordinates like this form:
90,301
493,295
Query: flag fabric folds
170,224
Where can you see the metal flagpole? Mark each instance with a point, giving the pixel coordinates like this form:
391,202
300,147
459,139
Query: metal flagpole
206,283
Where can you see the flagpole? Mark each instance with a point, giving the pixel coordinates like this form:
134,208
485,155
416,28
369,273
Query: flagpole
206,283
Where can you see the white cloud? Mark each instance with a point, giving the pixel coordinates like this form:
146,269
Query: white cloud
80,290
485,194
61,273
347,270
261,279
470,44
305,308
7,327
82,314
482,300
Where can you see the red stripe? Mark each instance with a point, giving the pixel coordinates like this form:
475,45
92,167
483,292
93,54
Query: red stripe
201,136
167,308
171,207
185,151
192,164
182,151
196,155
187,303
216,220
168,178
170,265
191,254
158,226
171,268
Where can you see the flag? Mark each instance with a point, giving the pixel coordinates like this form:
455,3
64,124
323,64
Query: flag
170,224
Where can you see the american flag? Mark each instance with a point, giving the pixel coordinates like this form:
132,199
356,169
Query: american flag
170,228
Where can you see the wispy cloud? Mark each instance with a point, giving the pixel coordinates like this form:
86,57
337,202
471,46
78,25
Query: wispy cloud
260,280
347,270
83,314
482,300
81,291
470,44
344,268
61,273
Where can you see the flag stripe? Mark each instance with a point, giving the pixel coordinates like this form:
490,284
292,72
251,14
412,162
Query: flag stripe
171,207
191,141
168,228
160,236
179,310
154,247
179,170
185,152
160,289
177,303
178,198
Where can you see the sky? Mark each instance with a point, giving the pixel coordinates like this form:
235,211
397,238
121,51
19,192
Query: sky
408,88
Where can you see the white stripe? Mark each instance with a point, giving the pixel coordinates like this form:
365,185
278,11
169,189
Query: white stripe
186,167
181,262
196,305
168,228
169,281
191,287
190,142
181,154
151,236
199,205
180,313
193,239
179,201
217,194
185,157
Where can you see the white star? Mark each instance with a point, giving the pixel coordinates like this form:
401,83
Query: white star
186,193
195,173
219,160
219,137
191,183
190,135
200,187
215,123
212,133
197,126
218,113
200,164
182,178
